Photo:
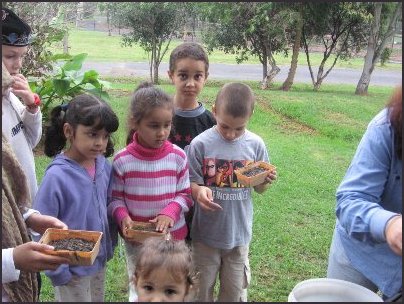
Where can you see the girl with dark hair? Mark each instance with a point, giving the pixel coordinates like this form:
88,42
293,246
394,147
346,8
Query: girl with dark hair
164,271
75,186
367,242
150,180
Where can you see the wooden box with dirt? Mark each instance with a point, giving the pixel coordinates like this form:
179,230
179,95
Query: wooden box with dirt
140,231
254,174
80,246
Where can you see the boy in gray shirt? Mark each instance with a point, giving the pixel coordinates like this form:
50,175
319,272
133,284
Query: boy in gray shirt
222,225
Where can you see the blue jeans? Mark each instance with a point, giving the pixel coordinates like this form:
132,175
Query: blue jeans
339,266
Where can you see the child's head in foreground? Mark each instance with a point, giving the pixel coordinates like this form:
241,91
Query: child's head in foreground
233,108
164,271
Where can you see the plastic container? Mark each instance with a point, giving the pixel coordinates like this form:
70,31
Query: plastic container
331,290
84,258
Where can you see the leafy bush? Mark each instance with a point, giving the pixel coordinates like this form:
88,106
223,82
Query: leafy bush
67,82
385,56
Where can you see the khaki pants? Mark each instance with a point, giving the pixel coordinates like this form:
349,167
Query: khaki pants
82,289
232,267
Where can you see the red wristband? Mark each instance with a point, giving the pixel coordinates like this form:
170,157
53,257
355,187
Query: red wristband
37,100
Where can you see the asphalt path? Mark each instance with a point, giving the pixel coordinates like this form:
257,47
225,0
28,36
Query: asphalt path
240,72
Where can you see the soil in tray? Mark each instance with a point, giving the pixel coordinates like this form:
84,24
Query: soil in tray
254,171
73,244
143,228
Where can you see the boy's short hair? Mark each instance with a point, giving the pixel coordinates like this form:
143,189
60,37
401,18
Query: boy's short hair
188,50
15,31
235,99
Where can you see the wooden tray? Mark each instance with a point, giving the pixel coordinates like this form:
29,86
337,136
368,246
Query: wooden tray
144,231
84,258
251,181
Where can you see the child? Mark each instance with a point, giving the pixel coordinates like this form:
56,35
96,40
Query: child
188,71
150,180
164,271
75,187
220,239
21,122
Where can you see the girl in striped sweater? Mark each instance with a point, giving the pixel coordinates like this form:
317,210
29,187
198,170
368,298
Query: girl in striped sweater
150,181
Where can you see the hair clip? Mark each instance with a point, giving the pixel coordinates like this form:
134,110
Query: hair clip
64,107
168,237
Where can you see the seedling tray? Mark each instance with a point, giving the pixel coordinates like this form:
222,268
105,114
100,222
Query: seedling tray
257,179
140,231
83,258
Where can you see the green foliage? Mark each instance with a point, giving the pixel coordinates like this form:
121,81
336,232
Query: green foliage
152,25
46,22
385,56
68,82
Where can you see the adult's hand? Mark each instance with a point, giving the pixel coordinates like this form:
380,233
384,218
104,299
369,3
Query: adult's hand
30,257
394,233
39,222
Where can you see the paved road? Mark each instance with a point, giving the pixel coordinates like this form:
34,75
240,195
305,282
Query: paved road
240,72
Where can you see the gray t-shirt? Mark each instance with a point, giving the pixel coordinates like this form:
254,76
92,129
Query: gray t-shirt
211,163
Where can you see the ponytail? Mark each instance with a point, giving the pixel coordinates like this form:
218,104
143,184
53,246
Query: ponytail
55,139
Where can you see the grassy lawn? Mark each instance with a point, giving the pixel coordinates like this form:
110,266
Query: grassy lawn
98,46
311,138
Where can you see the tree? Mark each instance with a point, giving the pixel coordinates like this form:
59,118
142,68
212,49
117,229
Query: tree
248,28
298,17
382,30
45,20
340,27
152,25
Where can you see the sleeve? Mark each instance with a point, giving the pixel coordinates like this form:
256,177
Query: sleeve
116,197
195,159
8,271
182,201
359,195
49,197
262,153
32,121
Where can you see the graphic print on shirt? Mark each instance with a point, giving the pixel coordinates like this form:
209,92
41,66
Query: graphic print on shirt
220,172
18,127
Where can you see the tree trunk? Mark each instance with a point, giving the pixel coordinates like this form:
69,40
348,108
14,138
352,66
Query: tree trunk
66,43
374,51
295,55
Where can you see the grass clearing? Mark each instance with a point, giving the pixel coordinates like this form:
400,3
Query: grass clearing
311,144
98,46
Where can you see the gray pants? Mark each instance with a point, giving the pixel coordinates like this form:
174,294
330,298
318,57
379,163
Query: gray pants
82,289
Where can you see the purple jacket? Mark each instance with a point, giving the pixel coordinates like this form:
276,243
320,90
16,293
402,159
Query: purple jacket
69,193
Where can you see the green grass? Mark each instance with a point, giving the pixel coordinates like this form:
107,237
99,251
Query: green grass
311,138
98,46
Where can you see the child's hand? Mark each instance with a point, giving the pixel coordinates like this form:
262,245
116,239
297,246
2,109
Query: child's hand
271,177
21,89
163,222
126,223
204,197
39,222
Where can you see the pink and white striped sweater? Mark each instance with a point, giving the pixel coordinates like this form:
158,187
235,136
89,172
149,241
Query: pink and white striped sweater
148,182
